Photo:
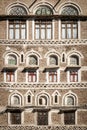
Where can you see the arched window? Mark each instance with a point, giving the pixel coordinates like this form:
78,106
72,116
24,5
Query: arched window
43,27
70,100
69,28
33,60
43,100
11,60
17,28
43,10
53,60
74,60
15,99
17,10
69,10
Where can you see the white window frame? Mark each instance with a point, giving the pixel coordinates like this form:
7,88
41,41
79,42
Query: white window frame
26,96
58,95
15,74
37,75
12,97
58,76
68,75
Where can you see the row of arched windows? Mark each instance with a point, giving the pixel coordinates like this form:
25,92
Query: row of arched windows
43,99
43,29
44,9
52,59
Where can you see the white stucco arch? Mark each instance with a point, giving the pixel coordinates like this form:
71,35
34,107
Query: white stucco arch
69,3
13,4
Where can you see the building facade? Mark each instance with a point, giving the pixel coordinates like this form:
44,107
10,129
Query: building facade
43,64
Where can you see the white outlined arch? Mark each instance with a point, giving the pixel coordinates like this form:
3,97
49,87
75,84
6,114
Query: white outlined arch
72,94
73,4
54,53
21,4
29,93
15,93
43,93
43,3
75,53
7,53
34,53
56,93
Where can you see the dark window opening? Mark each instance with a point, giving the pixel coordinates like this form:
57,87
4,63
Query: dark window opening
69,118
15,117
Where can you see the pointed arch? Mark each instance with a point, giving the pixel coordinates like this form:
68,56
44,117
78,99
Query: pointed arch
15,99
43,99
70,99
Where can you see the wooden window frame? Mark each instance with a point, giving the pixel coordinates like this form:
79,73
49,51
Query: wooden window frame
14,115
71,28
73,75
14,23
32,74
69,117
52,74
10,74
45,23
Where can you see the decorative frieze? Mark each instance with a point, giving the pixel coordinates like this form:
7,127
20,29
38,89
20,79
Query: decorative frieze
45,42
43,85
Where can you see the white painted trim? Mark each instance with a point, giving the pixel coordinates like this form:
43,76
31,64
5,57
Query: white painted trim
37,75
17,3
59,26
26,95
42,93
58,77
27,30
53,29
79,76
38,4
33,29
70,93
7,30
17,94
70,3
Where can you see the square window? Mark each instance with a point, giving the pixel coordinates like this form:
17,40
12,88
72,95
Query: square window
10,76
69,30
43,30
69,118
15,117
17,29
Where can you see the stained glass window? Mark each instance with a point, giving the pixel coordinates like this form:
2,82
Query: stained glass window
53,60
74,60
70,100
32,60
69,10
17,10
16,100
44,10
12,60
